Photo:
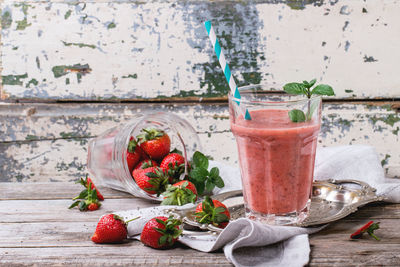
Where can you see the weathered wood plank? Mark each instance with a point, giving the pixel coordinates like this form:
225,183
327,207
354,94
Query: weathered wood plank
135,49
20,211
48,142
77,234
32,191
111,255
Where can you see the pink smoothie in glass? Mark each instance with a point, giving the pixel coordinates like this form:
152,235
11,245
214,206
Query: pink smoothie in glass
277,161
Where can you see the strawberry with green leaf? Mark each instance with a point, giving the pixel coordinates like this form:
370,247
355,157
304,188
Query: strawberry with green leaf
154,142
147,163
110,229
173,165
88,183
180,193
133,154
87,200
161,232
212,211
152,180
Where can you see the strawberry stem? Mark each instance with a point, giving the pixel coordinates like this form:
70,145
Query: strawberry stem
126,222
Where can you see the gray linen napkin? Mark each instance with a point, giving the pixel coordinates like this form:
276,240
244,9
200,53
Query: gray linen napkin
249,243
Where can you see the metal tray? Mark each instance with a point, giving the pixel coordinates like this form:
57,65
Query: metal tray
331,200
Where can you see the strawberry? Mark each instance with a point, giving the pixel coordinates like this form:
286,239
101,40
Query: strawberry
155,143
88,183
369,228
174,165
133,154
110,229
92,186
146,164
152,180
87,200
161,232
212,212
93,206
180,193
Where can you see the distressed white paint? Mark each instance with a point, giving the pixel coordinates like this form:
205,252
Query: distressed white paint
63,156
162,43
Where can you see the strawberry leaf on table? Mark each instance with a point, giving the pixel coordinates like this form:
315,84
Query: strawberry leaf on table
88,199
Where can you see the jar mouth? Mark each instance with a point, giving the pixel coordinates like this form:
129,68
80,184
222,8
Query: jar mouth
250,95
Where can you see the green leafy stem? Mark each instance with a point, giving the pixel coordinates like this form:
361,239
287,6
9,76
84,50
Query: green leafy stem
304,88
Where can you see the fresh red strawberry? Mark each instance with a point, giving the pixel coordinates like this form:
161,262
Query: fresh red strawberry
110,229
369,228
133,154
87,200
161,232
174,165
180,193
92,186
172,160
212,212
147,163
93,206
152,180
155,143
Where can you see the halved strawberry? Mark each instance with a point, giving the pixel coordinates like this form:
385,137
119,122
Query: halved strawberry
155,143
213,212
180,193
161,232
152,180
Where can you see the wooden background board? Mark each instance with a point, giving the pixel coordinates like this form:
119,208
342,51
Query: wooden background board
48,142
32,234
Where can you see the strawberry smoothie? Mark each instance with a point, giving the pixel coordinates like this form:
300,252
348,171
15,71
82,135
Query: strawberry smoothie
276,161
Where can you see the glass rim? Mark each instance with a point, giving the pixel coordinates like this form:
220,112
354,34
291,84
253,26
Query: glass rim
247,87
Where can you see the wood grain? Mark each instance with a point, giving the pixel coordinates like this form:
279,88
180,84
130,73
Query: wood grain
45,233
48,142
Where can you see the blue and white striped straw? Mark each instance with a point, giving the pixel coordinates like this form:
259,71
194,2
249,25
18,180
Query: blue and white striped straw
224,65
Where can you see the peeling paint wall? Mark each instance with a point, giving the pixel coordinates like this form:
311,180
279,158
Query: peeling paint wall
141,50
132,49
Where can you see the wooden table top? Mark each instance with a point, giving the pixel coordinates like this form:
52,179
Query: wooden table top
37,228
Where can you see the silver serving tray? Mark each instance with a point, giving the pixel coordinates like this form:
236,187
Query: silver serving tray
331,200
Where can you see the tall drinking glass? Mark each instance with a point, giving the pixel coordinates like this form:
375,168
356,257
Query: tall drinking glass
276,155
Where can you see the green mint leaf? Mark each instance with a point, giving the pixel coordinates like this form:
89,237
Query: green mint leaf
199,186
297,115
200,160
199,174
219,182
295,88
214,172
323,89
209,185
306,84
312,82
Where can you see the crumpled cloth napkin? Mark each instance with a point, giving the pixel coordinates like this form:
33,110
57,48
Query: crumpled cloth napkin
249,243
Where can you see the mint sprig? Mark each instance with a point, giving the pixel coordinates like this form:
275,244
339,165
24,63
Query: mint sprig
204,180
304,88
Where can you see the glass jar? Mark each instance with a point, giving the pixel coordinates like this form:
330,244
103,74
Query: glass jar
107,153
